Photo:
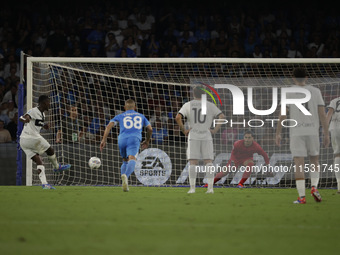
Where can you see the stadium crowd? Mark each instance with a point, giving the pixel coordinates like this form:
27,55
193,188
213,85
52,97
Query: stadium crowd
134,28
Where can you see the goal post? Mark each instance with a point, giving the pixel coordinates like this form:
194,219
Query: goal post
95,89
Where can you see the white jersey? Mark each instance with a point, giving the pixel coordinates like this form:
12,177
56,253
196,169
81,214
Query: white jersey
306,124
335,121
198,123
33,127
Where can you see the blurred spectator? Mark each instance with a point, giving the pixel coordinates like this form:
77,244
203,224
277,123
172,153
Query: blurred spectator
111,46
11,63
13,78
131,44
72,128
152,45
97,126
159,113
117,33
257,52
220,44
122,19
159,132
316,46
11,110
293,52
236,25
4,117
202,33
12,126
125,51
229,136
96,39
187,38
57,41
5,136
144,25
12,95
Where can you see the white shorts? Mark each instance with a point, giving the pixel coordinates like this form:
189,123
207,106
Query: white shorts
34,145
335,136
303,146
200,149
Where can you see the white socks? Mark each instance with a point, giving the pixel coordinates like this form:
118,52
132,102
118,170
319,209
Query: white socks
301,188
314,178
337,173
210,176
54,161
42,175
192,176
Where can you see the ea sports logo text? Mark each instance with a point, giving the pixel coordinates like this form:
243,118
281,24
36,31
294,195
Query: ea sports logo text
238,100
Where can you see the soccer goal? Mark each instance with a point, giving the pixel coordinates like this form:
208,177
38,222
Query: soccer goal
96,89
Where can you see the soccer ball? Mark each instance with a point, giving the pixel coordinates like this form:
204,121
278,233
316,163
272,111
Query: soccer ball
94,163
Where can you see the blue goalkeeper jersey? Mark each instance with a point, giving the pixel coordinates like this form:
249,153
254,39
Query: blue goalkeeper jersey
131,123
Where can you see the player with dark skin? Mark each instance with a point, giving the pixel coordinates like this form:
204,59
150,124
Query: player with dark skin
43,106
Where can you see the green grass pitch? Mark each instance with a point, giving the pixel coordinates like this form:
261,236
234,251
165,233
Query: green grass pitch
151,220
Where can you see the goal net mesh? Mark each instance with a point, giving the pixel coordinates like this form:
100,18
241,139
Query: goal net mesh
85,95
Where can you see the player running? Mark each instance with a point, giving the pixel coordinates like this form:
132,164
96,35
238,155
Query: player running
131,124
200,143
242,155
304,138
33,144
333,117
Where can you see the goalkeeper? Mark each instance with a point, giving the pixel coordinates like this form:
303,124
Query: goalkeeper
242,155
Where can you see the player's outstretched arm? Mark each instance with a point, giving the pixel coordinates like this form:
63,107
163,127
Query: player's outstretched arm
106,134
145,144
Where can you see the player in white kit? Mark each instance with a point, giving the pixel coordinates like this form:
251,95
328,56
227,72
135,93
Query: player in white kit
200,143
304,138
32,142
333,117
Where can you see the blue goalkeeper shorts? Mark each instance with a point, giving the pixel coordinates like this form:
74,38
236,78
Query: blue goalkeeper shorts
128,146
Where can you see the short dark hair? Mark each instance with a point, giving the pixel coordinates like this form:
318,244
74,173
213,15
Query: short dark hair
198,91
299,72
247,132
42,98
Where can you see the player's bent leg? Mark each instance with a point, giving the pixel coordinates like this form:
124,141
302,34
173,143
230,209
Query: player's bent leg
249,164
41,172
220,175
130,167
123,166
53,159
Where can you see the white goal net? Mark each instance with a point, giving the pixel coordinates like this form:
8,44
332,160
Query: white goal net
87,92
